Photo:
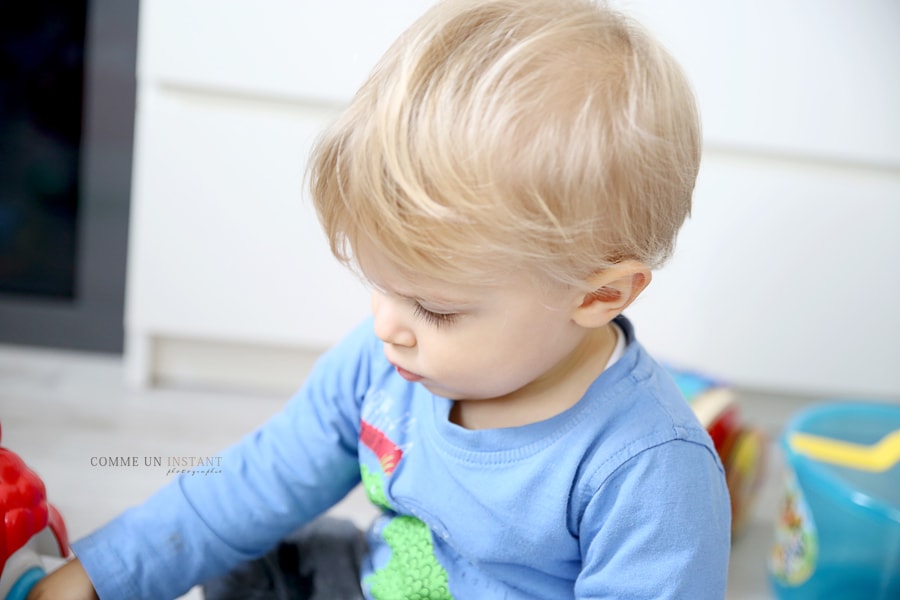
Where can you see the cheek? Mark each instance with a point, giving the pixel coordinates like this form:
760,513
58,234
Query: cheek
497,353
539,345
455,353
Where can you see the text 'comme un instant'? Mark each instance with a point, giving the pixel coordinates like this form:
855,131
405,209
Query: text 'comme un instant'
194,465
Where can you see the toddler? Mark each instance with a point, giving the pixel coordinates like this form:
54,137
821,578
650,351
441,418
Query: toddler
506,181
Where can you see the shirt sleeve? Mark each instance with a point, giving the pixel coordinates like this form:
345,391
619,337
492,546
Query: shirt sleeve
279,477
658,527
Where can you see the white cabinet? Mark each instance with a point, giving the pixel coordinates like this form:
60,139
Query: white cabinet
225,247
784,277
309,52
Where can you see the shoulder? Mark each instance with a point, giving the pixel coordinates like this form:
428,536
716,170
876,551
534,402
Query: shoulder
358,368
359,353
361,341
641,411
653,467
649,397
346,373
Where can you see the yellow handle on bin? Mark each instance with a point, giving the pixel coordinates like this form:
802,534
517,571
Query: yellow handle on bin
878,457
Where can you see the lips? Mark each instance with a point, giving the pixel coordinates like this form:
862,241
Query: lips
407,375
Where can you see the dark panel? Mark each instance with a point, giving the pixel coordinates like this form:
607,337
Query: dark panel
41,75
72,136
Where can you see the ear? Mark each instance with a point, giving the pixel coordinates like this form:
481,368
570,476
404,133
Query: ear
612,291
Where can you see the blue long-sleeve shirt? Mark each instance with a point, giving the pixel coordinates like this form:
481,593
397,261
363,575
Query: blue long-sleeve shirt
620,496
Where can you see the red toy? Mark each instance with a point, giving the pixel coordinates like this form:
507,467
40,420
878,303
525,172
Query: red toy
30,527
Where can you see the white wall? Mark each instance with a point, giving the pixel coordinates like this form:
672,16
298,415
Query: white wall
785,276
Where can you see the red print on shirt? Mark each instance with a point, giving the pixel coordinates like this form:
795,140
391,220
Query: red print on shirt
388,453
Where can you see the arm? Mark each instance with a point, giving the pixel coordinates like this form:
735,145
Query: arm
276,479
658,527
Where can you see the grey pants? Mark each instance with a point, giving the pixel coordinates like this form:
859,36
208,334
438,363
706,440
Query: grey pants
319,562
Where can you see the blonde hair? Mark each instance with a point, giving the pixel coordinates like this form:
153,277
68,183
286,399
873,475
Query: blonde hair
549,137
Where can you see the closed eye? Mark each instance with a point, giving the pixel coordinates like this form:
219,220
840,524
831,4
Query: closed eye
434,318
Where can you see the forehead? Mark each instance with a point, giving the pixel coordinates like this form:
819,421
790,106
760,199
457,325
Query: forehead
387,276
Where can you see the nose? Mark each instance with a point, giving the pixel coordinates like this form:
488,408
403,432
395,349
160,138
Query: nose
390,326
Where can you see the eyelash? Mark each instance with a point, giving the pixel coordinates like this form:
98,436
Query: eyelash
433,318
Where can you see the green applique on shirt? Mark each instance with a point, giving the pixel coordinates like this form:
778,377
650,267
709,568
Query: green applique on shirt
413,572
371,481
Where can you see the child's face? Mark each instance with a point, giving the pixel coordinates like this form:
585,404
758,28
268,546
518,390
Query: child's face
472,342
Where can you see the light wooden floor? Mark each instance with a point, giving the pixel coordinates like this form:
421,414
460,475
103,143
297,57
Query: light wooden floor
62,411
